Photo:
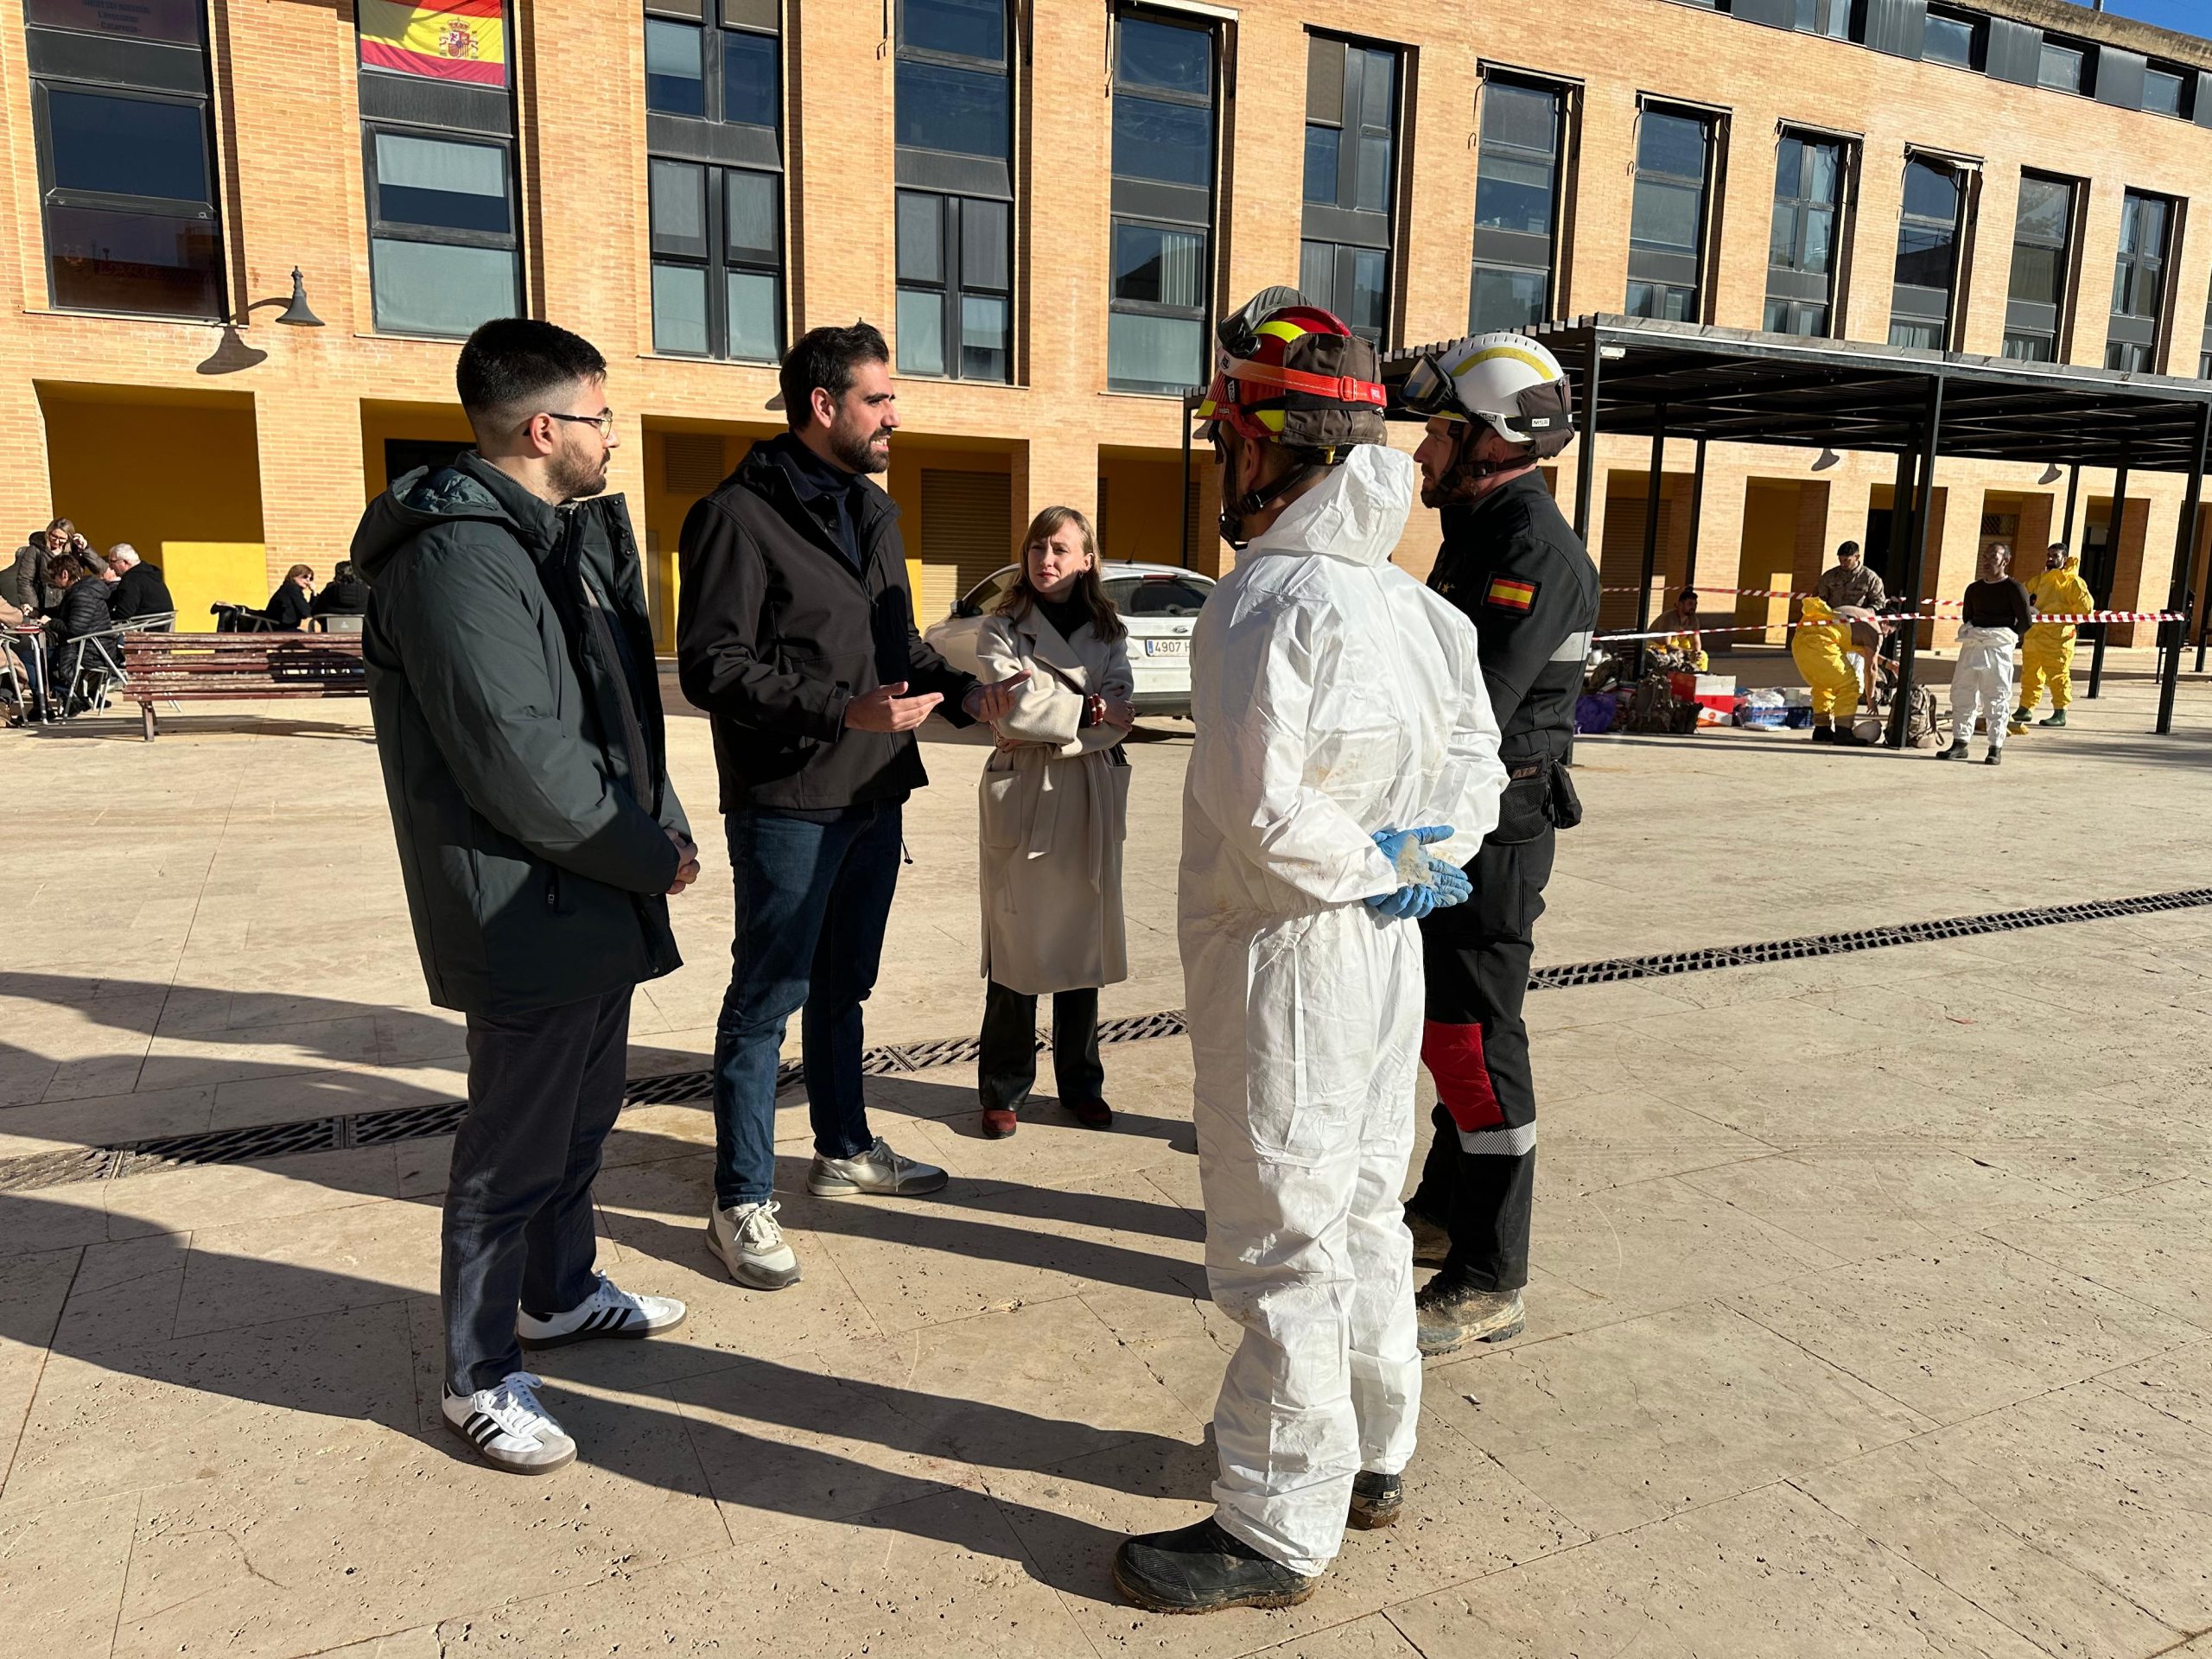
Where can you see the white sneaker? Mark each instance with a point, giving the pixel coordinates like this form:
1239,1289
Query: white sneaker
509,1429
607,1312
751,1245
878,1170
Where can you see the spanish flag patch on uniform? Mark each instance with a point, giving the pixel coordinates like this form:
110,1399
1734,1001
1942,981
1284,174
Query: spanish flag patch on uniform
1508,593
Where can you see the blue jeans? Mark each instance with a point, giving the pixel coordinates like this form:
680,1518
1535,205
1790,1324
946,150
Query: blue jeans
812,902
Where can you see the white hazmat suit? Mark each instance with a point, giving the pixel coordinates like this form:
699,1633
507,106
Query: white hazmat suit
1335,696
1981,684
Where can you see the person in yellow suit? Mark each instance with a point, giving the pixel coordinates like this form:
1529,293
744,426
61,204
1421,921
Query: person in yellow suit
1686,639
2047,654
1819,646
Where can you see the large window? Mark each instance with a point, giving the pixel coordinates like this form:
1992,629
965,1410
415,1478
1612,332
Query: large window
2166,92
1954,38
1351,124
1801,248
1517,197
955,129
2139,284
2035,303
2062,67
437,146
1163,203
126,158
1667,222
714,126
1929,240
1828,17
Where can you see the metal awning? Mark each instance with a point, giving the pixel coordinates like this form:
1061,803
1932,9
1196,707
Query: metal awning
1731,386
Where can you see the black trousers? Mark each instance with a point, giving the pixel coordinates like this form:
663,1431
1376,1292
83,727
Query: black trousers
543,1089
1005,1071
1480,1175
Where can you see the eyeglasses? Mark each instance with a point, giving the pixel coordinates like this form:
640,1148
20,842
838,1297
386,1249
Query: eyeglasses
604,421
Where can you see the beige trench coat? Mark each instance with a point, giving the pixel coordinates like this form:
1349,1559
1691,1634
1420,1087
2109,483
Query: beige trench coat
1054,807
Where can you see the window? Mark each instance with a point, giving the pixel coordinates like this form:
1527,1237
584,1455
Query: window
2060,68
1157,596
1802,247
1666,233
1828,17
438,154
2035,308
126,161
1351,122
1927,253
2139,285
1516,205
954,123
2165,91
1163,204
2204,347
713,99
1951,38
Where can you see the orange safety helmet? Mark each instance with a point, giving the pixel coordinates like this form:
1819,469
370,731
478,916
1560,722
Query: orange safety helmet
1291,372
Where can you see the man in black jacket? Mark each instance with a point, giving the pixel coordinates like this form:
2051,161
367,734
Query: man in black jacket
139,590
796,634
1496,405
518,716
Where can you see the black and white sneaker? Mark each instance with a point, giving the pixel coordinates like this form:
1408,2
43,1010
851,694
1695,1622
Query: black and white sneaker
509,1429
607,1312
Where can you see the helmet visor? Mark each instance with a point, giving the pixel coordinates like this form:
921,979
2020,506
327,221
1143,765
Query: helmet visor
1428,392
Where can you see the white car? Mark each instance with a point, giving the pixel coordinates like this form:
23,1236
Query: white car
1159,605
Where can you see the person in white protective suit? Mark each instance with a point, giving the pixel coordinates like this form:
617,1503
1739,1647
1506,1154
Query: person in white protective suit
1995,614
1345,767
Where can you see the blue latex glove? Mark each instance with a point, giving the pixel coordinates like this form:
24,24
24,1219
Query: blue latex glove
1416,898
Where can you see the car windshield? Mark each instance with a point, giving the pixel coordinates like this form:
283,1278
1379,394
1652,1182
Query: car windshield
1155,595
984,594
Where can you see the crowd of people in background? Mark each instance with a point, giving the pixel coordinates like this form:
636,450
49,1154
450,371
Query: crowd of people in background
61,605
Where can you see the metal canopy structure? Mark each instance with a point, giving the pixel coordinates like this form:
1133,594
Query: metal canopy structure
1635,376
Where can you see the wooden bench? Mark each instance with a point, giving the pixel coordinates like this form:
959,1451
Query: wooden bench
239,667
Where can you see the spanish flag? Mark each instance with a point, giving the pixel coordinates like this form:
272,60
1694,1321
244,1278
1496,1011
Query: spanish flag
444,40
1509,594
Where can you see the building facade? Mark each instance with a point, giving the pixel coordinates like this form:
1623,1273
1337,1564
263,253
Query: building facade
1042,203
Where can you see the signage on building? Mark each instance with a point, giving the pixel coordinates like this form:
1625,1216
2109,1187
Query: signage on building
142,20
439,40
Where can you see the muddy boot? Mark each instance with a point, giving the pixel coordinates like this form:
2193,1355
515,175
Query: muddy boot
1452,1315
2058,718
1203,1569
1375,1502
1431,1242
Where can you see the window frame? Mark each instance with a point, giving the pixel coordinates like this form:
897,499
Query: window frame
1968,175
383,230
1713,124
1566,123
1149,204
715,261
1842,207
1342,226
2148,343
53,195
2184,82
1831,19
2084,55
2022,322
1977,28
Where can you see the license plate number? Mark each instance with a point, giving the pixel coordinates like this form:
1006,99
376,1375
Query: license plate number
1166,647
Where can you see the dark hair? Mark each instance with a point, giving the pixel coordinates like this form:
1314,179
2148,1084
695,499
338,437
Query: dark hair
1846,550
510,361
826,358
1689,594
1105,620
307,570
75,566
343,571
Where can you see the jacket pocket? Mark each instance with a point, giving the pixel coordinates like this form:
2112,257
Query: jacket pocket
1117,797
999,803
1524,810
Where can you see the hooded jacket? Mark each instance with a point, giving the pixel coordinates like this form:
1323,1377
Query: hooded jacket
777,631
518,723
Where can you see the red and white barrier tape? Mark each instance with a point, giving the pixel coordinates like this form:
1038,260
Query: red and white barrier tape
2068,620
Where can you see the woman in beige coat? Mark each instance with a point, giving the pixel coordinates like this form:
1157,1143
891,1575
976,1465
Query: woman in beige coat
1054,807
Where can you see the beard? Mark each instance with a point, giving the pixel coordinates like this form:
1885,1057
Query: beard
575,477
1454,489
855,450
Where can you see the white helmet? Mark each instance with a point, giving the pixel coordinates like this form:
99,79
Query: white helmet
1508,381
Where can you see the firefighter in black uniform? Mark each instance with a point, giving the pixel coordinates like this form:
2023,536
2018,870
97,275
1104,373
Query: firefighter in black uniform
1496,405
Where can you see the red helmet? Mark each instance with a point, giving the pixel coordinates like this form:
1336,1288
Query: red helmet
1290,372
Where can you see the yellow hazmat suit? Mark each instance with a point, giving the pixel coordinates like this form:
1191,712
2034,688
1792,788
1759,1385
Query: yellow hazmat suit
1686,644
2047,654
1819,653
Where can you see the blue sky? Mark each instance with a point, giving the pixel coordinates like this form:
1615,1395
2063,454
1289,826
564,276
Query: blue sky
2190,17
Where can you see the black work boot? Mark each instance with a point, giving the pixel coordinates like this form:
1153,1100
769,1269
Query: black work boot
1452,1315
1431,1242
1994,758
1376,1501
1957,751
1202,1569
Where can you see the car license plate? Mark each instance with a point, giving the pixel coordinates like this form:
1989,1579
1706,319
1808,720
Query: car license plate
1166,647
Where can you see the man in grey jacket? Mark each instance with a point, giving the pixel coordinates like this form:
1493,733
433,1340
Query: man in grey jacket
517,714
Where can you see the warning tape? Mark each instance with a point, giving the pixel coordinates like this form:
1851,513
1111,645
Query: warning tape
1721,592
2069,619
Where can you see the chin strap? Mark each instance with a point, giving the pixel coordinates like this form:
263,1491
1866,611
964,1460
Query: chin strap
1464,472
1254,502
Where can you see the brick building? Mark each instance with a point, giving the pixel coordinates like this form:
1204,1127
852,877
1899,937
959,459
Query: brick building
1041,202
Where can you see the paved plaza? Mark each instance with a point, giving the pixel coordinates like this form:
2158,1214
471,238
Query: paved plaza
1872,1311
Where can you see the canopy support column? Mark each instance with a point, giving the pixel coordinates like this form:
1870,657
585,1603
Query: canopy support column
1931,434
1586,474
1650,534
1697,514
2175,635
2101,589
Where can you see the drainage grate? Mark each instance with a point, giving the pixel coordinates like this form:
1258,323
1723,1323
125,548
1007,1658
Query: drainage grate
68,1165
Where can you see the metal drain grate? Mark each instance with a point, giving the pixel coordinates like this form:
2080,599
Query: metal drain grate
68,1165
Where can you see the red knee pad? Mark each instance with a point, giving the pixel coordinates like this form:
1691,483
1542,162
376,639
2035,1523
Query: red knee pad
1453,1055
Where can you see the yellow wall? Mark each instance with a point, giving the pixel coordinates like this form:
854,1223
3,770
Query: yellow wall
379,421
1141,505
201,573
158,475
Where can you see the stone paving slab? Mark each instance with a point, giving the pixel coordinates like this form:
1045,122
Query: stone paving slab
1868,1315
